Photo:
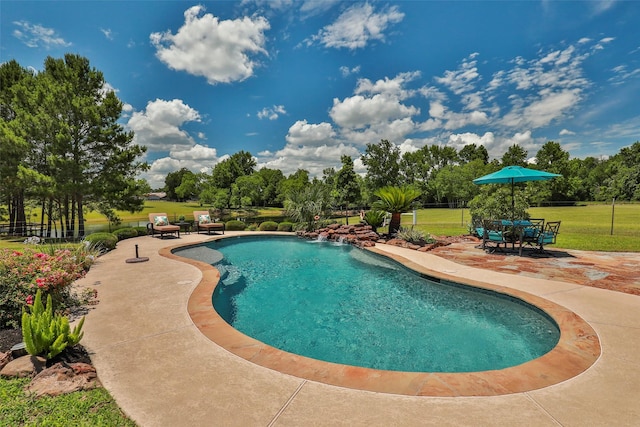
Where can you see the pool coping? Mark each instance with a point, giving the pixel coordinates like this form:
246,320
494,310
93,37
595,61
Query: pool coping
577,350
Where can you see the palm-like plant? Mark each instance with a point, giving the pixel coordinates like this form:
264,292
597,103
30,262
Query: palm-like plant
304,205
395,200
374,218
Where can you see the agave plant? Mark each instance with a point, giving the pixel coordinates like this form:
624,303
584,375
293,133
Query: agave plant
395,200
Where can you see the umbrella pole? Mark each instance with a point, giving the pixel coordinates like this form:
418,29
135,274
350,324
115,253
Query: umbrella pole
513,202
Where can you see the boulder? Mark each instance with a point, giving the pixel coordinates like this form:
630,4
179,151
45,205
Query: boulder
63,378
25,366
4,359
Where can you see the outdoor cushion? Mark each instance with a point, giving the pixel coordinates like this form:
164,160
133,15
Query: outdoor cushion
204,219
547,237
159,221
495,235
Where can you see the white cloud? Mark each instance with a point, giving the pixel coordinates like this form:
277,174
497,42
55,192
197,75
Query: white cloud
458,141
198,158
566,132
311,158
271,113
463,79
358,26
358,112
346,71
218,50
158,127
107,33
35,35
302,133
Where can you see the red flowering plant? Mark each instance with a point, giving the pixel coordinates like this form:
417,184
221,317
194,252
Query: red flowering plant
23,272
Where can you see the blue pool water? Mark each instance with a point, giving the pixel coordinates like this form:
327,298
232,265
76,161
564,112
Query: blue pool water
346,305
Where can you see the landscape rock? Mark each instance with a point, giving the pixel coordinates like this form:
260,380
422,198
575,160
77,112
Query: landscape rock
25,366
4,359
63,378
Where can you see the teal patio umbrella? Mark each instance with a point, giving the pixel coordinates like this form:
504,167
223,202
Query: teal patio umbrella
513,174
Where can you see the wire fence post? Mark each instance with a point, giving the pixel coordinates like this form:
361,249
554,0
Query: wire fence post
613,209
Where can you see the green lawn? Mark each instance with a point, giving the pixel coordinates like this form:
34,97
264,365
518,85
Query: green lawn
585,227
87,408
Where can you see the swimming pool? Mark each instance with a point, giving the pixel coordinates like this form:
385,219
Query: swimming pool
409,324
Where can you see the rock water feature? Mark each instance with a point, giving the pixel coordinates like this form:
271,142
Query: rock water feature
362,235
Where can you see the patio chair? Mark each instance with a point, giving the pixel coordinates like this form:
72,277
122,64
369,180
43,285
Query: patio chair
202,221
476,227
159,224
531,231
494,233
548,237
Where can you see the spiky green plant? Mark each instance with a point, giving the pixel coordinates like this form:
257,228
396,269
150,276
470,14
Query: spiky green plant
395,200
374,218
45,333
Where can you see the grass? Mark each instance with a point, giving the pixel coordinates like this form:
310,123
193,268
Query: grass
586,227
87,408
583,227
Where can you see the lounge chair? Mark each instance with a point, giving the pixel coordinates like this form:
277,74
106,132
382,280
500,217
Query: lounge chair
159,224
202,221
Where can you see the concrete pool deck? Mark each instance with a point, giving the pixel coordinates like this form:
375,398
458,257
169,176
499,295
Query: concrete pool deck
163,371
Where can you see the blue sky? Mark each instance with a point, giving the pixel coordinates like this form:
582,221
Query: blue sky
300,83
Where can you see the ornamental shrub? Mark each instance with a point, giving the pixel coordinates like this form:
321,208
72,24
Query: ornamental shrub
416,237
125,233
235,225
45,333
23,272
269,226
252,227
285,226
142,231
103,242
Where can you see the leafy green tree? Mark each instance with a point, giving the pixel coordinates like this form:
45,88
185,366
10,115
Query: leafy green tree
188,187
552,158
420,167
496,203
271,179
294,183
622,173
346,185
14,147
515,156
383,164
226,172
395,200
173,181
454,183
249,188
471,152
70,123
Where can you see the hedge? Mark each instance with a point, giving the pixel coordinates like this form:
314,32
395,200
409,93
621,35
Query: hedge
269,226
102,241
235,225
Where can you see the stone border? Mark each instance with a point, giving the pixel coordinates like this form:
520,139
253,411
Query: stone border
577,349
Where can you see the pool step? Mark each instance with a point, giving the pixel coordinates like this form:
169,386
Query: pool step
229,274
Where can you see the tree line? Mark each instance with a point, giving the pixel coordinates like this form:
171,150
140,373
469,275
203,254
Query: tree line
63,152
442,174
